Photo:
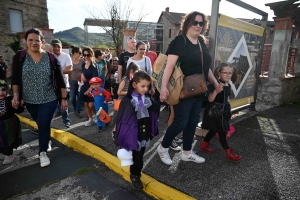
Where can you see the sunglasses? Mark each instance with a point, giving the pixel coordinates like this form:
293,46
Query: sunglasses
86,55
3,89
195,23
79,53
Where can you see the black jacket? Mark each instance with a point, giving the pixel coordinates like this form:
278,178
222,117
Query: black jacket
56,73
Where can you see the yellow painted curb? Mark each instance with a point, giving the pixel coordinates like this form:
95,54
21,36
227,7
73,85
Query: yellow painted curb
151,185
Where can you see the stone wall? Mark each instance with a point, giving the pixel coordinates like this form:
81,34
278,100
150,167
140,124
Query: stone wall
276,91
34,14
290,89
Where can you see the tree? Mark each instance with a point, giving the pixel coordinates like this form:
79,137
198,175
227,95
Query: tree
115,19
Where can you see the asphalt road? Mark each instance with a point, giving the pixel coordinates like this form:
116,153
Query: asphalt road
71,175
268,142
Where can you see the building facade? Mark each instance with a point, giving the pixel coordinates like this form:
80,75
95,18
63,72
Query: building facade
17,16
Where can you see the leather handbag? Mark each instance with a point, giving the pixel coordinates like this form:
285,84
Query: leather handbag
195,84
175,82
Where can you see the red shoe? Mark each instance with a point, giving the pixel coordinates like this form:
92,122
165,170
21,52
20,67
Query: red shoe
205,147
232,156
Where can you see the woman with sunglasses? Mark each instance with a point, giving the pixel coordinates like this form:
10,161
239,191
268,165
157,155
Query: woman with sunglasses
142,61
186,49
77,62
88,71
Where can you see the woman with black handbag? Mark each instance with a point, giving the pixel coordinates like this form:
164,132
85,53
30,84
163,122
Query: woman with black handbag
187,49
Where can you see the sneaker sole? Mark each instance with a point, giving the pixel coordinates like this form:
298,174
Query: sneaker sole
192,161
45,165
175,149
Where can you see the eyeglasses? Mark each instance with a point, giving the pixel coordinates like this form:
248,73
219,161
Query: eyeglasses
86,55
195,23
227,73
3,90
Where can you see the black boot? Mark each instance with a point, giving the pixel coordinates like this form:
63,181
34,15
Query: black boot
136,181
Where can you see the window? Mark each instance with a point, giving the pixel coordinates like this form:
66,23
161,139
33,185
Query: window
170,33
16,24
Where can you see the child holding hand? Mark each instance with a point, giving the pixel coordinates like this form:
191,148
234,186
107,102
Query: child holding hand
218,111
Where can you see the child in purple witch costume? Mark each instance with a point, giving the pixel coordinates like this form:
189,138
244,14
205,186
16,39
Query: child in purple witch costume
136,124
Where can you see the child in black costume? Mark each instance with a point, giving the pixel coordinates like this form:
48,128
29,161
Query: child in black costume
136,125
216,120
10,126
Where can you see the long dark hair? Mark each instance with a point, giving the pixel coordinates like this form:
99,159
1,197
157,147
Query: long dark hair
75,50
138,76
132,66
187,20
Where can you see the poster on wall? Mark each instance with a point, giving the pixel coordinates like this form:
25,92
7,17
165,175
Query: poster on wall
239,42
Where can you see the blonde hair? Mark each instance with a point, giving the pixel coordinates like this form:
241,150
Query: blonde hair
47,47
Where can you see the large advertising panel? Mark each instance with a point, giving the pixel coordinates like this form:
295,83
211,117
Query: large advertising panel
239,42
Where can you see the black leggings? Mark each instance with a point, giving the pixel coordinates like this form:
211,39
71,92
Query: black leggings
137,157
222,137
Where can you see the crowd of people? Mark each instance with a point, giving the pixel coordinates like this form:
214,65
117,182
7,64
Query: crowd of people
43,82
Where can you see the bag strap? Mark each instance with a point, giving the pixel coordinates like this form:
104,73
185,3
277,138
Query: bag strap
146,65
201,56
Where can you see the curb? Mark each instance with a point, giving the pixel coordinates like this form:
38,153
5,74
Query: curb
152,187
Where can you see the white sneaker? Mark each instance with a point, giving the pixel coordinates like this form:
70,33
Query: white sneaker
164,155
49,146
89,123
8,159
44,160
192,157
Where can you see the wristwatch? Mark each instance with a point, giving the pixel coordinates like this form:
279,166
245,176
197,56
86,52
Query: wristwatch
64,98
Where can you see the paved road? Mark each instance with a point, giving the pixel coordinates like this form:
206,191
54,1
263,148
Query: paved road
71,175
268,142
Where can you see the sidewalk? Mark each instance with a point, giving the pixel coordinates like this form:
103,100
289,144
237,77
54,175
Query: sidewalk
267,141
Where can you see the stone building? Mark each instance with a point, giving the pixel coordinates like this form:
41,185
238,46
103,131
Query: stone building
16,17
171,22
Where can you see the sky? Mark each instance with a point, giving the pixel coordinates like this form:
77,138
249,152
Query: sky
67,14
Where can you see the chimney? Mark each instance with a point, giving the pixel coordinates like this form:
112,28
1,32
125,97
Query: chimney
167,9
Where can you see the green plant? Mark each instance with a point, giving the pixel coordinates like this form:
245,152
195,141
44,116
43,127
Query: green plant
84,170
15,43
65,43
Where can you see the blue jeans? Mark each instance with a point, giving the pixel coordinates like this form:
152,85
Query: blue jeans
42,114
76,103
103,81
64,115
186,118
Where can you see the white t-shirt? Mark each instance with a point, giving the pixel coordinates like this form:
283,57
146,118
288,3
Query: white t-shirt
65,61
144,64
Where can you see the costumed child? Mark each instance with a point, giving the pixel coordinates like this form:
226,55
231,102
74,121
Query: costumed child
10,126
136,125
123,89
101,97
218,111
